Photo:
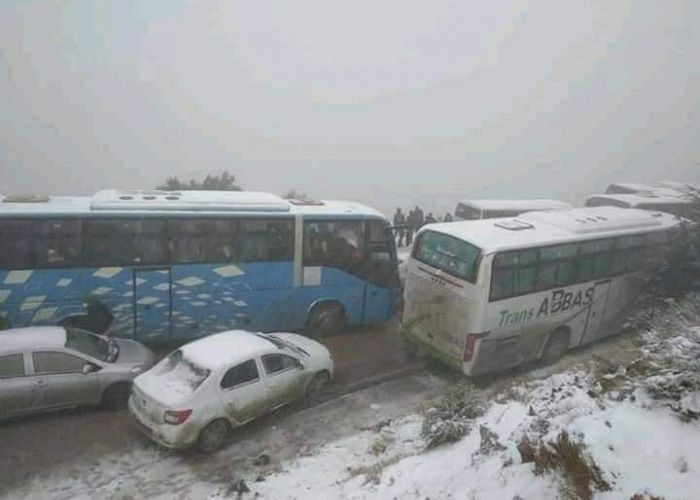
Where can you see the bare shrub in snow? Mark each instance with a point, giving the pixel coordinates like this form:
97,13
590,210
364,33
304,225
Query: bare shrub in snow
450,419
580,473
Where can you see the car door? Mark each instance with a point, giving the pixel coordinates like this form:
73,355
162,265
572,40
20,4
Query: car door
65,382
242,391
16,386
283,375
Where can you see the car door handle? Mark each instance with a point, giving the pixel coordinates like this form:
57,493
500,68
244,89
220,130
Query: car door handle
41,382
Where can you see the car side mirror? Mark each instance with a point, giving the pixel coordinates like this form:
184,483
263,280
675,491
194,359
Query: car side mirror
89,368
300,365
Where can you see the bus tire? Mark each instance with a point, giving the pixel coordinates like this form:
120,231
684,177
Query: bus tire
213,436
116,396
556,347
325,319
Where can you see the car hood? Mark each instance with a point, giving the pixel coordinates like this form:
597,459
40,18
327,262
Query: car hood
133,352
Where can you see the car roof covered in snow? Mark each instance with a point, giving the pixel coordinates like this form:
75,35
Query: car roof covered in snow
33,337
223,349
523,204
552,227
159,203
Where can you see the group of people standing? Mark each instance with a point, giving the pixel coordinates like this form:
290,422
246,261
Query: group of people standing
413,222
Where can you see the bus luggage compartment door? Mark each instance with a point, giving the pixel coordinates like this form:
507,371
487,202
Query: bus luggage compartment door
596,312
152,303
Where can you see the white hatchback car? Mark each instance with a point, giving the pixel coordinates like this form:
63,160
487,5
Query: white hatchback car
200,391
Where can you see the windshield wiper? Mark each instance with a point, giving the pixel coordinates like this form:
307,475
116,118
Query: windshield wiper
290,345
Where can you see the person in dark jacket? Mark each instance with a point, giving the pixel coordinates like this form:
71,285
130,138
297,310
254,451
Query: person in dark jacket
411,227
448,217
430,219
420,220
400,220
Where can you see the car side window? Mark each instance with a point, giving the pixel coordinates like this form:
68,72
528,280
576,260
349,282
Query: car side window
240,374
275,363
12,366
57,362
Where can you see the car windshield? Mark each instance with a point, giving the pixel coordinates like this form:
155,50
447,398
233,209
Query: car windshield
184,377
90,344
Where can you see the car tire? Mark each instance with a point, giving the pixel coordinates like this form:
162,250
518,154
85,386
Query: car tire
213,436
116,397
557,345
325,320
316,385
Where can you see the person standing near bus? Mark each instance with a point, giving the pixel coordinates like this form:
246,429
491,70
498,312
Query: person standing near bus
430,219
420,219
400,220
448,217
410,227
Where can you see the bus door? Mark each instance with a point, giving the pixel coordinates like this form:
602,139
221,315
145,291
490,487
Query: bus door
382,288
596,312
152,303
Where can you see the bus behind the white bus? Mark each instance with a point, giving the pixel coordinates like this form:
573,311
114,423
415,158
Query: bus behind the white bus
492,209
487,295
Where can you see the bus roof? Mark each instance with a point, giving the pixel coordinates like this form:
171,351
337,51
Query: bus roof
130,202
523,204
549,228
634,200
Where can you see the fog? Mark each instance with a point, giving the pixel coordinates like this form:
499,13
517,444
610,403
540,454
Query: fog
393,102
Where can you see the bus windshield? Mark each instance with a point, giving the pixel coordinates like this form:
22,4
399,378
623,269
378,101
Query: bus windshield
448,254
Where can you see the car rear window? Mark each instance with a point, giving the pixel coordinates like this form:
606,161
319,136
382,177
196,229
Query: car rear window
181,375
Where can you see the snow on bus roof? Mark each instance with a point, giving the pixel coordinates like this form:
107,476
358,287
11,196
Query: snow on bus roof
225,348
114,202
547,228
521,204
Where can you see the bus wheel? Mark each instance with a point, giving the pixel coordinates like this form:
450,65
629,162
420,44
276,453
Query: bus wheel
325,319
557,345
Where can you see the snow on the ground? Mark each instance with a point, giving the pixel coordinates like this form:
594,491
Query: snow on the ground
635,422
640,446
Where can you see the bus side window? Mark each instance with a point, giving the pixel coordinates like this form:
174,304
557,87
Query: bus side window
63,242
380,268
123,241
267,240
337,244
19,246
515,273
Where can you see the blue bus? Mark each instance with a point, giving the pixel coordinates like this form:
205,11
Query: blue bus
162,266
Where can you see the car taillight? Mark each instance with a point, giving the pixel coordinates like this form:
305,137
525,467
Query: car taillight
178,417
470,345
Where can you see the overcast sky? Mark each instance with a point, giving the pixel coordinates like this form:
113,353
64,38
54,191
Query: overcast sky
385,102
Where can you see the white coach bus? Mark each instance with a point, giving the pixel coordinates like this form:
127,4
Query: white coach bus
492,209
487,295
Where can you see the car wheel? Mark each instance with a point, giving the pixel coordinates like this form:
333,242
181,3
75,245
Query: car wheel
557,345
213,436
116,397
317,384
326,319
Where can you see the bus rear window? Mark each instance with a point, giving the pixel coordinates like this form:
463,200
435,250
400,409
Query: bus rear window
467,212
448,254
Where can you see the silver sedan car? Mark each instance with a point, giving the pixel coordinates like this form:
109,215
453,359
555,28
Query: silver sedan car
49,368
